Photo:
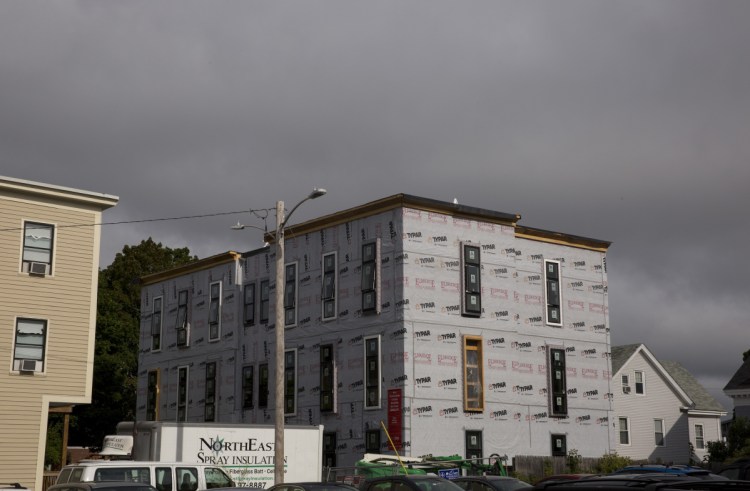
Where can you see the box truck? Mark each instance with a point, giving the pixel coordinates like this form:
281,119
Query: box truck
245,452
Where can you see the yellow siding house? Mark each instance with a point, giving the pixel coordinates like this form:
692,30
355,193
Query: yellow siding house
49,262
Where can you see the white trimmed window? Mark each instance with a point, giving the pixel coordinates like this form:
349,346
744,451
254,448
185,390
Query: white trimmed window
659,432
471,280
290,382
640,382
328,291
183,321
156,318
372,372
214,312
30,344
38,247
625,384
371,277
624,428
699,440
182,393
553,315
327,379
558,383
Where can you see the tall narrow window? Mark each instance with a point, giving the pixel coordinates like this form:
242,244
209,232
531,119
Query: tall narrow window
372,441
558,383
659,432
474,445
559,446
329,449
30,345
473,374
210,400
265,296
624,431
156,324
471,281
552,292
263,385
290,382
371,277
699,442
38,242
182,325
640,383
214,312
152,396
372,372
328,296
290,295
248,311
182,393
247,387
327,379
625,384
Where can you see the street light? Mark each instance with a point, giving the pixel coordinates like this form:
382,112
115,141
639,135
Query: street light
279,396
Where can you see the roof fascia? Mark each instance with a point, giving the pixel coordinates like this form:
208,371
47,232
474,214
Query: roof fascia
562,239
660,369
201,264
57,193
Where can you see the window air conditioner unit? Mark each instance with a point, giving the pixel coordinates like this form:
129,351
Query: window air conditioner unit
39,269
28,365
626,389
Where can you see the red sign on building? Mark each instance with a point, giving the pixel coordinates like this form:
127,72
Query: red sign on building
395,416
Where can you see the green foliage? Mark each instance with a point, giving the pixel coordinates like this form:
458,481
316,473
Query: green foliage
53,449
549,467
611,462
574,461
117,338
737,444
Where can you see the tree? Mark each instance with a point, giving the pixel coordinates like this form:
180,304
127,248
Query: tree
117,339
737,444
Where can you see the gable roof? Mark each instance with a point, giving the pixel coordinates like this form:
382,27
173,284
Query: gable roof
674,374
741,378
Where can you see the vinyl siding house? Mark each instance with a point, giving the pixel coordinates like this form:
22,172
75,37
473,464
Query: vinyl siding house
662,414
48,271
459,329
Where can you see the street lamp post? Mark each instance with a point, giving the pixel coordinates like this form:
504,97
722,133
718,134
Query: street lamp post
280,348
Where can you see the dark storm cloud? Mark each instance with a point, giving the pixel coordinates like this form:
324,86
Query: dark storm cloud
620,120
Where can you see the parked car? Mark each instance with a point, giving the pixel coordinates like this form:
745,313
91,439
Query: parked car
409,483
102,486
491,483
739,469
679,470
311,486
562,478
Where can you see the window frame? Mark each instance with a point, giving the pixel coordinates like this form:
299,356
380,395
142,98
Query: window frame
373,374
264,377
209,401
248,304
215,289
370,289
183,387
552,284
182,320
153,394
157,317
659,441
327,378
623,432
373,441
471,289
473,344
248,382
27,249
328,293
700,441
290,382
477,446
558,391
265,301
41,359
625,382
640,387
291,294
558,450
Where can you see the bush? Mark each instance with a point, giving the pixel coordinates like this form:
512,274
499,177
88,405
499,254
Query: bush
611,462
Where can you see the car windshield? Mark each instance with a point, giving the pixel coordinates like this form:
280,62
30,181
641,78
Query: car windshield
436,485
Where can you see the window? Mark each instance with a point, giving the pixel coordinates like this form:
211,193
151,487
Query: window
152,396
38,242
327,379
209,413
372,441
328,295
182,393
187,478
214,312
247,387
183,338
473,374
329,449
265,295
659,432
30,345
290,382
156,325
371,277
552,292
290,295
248,311
558,383
474,444
624,431
263,385
640,383
372,372
625,384
559,445
699,442
471,281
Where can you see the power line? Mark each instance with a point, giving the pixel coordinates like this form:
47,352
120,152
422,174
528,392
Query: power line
260,213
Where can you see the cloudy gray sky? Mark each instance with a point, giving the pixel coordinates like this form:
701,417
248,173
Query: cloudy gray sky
627,121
